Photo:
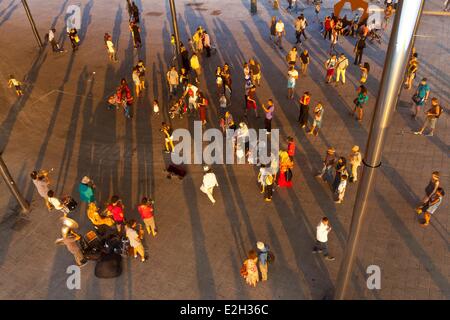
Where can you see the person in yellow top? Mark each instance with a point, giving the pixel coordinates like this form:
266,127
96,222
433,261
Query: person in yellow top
286,164
197,38
168,138
16,83
195,64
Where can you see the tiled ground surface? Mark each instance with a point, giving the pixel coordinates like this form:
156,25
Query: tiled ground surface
62,123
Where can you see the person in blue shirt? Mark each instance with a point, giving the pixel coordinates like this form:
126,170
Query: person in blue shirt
263,252
86,189
420,98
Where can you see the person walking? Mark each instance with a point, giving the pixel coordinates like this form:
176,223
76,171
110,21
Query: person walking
280,32
322,231
209,182
87,190
364,72
136,34
249,269
115,209
360,101
137,81
146,211
125,97
263,263
340,191
195,65
340,170
292,77
42,184
52,40
251,101
111,50
411,72
273,30
265,178
432,205
255,72
74,39
202,104
317,122
268,115
329,161
192,93
420,98
359,50
135,240
173,81
355,162
207,43
430,190
304,59
13,82
330,66
166,129
327,27
304,101
141,71
286,165
342,65
291,57
226,77
185,58
333,41
432,116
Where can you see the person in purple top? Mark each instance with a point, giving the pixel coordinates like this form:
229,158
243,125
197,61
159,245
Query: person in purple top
269,115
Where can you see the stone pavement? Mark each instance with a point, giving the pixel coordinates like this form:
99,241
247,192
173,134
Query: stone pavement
62,123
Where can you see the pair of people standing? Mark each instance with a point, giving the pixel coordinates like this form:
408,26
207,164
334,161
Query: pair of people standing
254,260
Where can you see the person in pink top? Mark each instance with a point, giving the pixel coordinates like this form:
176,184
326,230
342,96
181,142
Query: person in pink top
115,208
146,211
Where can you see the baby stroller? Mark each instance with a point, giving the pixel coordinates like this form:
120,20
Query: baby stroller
178,109
374,35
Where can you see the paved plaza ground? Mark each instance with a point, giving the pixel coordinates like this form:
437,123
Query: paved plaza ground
62,123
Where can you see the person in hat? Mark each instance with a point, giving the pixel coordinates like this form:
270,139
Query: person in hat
265,178
209,182
328,163
263,252
146,211
86,189
355,162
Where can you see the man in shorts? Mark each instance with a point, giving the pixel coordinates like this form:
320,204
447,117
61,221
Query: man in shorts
432,115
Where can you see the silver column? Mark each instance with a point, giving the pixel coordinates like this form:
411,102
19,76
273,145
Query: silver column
12,186
175,31
395,64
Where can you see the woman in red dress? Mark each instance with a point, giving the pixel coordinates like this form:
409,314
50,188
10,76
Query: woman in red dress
202,102
285,175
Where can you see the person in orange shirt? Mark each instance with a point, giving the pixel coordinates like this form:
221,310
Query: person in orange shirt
146,211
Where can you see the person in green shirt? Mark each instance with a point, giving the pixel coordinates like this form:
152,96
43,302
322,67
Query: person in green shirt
86,189
360,101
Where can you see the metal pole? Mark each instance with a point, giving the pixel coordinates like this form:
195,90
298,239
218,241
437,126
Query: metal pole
33,25
12,186
394,68
175,31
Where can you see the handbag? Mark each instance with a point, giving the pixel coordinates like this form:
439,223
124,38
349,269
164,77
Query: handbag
77,39
416,99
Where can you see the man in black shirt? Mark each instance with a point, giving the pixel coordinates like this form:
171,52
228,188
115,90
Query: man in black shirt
359,48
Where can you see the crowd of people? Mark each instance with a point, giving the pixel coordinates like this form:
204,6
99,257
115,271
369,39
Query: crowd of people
186,98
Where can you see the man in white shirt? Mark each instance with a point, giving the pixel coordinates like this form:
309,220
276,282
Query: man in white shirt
56,203
191,91
279,29
322,239
173,80
209,182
